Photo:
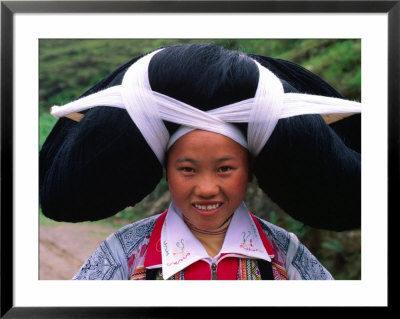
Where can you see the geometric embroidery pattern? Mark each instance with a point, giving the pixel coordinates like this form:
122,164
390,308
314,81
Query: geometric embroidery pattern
248,269
132,235
308,266
100,266
139,274
279,272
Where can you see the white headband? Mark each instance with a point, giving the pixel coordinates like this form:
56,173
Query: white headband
148,109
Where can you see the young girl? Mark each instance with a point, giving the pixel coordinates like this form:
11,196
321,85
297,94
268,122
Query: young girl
210,117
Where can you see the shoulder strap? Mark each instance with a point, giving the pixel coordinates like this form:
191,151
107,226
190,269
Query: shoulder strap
151,274
265,269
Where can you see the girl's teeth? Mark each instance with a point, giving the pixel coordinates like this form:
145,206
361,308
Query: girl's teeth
207,207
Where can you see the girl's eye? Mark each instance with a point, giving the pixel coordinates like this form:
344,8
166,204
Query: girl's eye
187,169
224,169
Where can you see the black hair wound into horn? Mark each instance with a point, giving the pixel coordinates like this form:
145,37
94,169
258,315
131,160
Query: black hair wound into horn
92,169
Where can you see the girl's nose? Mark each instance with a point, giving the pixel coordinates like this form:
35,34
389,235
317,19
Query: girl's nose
206,188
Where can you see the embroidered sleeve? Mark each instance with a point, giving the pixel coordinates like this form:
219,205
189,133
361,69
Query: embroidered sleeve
108,262
302,265
115,258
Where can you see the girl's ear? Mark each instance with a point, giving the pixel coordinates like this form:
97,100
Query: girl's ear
165,165
251,167
250,177
165,172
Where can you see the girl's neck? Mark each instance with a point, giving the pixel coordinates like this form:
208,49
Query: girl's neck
212,240
218,232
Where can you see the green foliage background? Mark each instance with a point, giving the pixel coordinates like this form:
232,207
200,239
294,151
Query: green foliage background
68,67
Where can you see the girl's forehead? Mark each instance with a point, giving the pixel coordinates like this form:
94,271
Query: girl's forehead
201,143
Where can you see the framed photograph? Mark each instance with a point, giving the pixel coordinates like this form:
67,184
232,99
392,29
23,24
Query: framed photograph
27,25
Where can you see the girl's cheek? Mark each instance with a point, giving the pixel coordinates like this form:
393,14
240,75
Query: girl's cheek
240,185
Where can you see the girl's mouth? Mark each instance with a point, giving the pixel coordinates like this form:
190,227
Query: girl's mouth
207,209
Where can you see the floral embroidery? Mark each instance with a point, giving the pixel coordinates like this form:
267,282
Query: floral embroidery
181,246
180,252
247,243
166,248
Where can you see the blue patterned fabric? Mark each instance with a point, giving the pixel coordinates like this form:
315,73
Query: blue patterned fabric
305,263
101,265
132,235
277,234
113,253
308,266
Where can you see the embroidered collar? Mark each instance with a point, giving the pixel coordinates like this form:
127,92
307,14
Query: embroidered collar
179,249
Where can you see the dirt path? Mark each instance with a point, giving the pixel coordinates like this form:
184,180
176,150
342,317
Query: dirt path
65,247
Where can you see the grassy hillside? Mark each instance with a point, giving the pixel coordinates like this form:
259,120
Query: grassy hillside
67,68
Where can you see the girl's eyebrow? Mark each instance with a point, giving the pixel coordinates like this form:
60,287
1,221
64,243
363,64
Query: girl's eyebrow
225,158
194,161
186,159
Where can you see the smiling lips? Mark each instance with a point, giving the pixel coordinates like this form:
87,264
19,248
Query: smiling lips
207,209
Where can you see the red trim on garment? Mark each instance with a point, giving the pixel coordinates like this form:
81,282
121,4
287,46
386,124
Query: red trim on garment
153,254
227,269
266,243
199,270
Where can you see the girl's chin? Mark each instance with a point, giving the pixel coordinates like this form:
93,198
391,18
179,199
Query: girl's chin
207,228
207,225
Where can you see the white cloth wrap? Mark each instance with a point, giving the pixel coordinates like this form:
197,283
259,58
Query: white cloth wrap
148,109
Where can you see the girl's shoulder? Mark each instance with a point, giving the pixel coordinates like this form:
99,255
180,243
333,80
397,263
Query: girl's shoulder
278,235
299,262
140,225
131,235
111,258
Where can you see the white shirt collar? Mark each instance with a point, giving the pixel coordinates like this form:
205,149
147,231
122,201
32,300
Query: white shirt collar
179,249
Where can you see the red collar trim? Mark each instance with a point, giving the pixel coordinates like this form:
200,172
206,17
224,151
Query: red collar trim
153,255
266,243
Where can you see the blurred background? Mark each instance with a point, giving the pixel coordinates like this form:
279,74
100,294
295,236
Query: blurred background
69,67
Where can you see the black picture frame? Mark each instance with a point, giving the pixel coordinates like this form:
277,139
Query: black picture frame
9,8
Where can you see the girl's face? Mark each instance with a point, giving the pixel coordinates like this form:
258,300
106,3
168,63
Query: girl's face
208,175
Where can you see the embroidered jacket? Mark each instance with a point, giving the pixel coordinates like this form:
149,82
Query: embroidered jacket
122,256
